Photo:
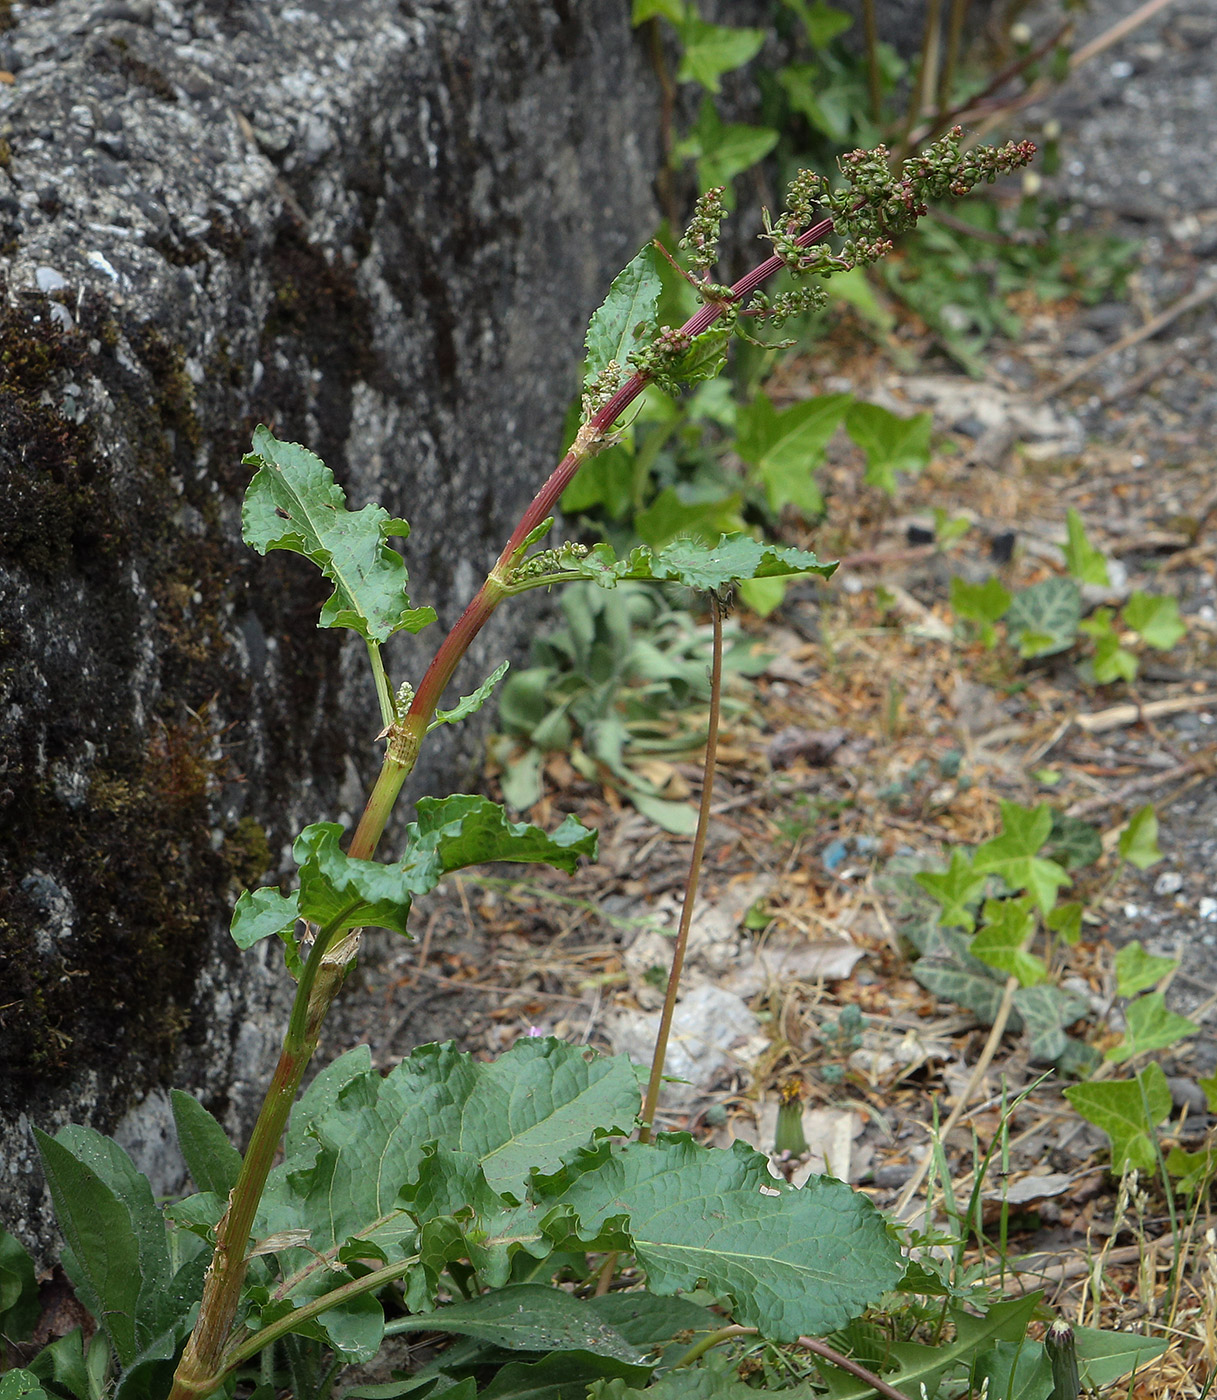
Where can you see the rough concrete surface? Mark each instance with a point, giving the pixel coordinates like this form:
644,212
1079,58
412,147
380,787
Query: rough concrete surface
378,227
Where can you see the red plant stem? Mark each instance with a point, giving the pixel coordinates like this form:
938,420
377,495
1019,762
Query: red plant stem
488,597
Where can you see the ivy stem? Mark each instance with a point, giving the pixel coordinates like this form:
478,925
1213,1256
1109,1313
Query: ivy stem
812,1344
691,880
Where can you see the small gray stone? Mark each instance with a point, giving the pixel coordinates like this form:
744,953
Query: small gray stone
1186,1093
1169,882
48,279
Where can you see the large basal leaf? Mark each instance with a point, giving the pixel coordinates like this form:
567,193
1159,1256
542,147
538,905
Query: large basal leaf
792,1261
562,1376
646,1320
536,1106
627,319
716,1379
116,1254
294,503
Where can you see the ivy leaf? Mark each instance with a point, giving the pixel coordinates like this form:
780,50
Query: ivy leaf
792,1261
982,603
786,448
723,150
1002,941
627,319
470,704
1083,561
1111,661
1136,969
821,22
1151,1026
1118,1108
294,503
1066,919
1139,839
710,50
1073,842
1155,619
950,971
892,444
1043,619
954,889
1012,855
1046,1011
1192,1171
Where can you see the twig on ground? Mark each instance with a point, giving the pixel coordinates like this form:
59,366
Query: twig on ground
1148,782
1119,716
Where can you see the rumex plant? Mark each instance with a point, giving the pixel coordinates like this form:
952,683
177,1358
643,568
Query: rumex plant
449,1179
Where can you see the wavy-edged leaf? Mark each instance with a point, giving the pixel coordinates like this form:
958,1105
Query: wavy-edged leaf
294,503
470,704
793,1261
213,1162
626,320
694,563
267,913
457,831
341,892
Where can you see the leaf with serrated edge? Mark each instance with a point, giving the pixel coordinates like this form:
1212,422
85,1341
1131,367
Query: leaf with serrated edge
793,1261
294,503
470,704
1151,1026
1119,1110
626,320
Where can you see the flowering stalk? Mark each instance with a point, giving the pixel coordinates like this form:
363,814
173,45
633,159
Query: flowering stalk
874,205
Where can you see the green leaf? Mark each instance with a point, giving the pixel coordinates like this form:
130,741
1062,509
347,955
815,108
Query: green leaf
892,444
1019,1369
1103,1357
1111,661
1083,561
627,319
294,503
955,889
792,1261
470,704
645,1319
341,892
715,1379
1043,619
110,1239
821,22
1118,1109
1209,1086
735,147
787,447
266,913
925,1366
458,831
1155,619
213,1162
1073,843
19,1305
1139,839
1002,941
710,50
18,1384
704,359
1066,919
1012,855
979,602
1150,1027
671,10
1046,1011
529,1317
559,1376
1192,1171
949,971
1136,969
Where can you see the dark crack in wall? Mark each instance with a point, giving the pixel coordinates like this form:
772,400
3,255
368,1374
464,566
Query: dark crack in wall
378,227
